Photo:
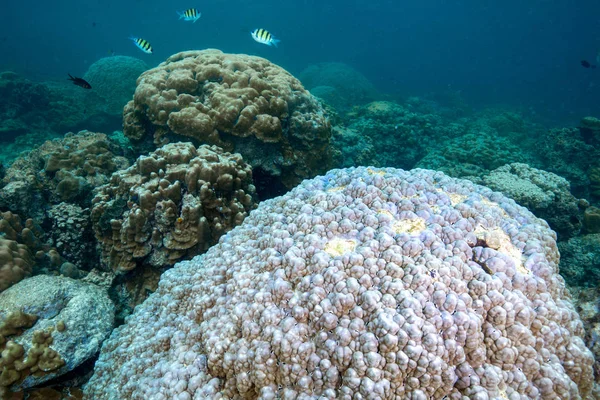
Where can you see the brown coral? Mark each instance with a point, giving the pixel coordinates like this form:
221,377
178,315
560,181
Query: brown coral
23,246
241,103
170,205
16,262
60,170
594,176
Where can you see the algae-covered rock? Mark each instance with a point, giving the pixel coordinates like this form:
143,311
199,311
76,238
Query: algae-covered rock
59,324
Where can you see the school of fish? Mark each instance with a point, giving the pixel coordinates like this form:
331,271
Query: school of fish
192,14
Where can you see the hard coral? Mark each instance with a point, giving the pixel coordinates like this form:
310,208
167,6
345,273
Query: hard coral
473,155
545,194
364,283
114,78
60,170
16,263
24,246
242,103
352,87
174,203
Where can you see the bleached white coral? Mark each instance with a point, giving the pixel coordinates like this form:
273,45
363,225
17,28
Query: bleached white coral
442,311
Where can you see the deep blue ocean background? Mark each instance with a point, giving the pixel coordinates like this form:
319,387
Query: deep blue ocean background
515,53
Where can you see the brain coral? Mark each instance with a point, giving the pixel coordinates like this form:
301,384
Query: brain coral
242,103
364,283
173,203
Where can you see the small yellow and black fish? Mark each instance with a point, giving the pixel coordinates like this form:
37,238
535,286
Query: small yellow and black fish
264,37
80,82
142,44
189,15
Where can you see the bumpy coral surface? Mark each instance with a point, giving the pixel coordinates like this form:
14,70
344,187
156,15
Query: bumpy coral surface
72,234
60,170
114,79
400,137
242,103
23,247
565,152
174,203
16,262
546,194
473,155
364,283
580,260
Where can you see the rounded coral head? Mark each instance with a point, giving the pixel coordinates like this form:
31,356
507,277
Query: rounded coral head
242,103
373,282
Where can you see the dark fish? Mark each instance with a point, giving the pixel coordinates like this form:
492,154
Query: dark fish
586,64
80,82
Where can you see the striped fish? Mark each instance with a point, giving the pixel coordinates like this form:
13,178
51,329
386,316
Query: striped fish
142,44
264,37
189,15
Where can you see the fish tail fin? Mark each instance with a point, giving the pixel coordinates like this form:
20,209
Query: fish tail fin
275,42
181,14
70,77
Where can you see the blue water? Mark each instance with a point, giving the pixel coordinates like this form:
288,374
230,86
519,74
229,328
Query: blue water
524,54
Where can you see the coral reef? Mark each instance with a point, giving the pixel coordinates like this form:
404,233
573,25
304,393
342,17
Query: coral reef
580,260
60,170
24,248
590,131
545,194
114,80
473,155
244,104
16,263
172,204
594,179
63,325
591,220
400,137
363,283
351,149
565,153
72,235
348,87
49,109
